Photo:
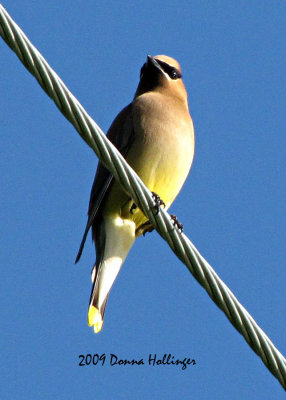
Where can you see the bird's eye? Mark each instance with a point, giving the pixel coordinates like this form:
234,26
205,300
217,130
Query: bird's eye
174,74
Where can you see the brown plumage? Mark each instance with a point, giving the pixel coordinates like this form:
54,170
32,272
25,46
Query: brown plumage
155,134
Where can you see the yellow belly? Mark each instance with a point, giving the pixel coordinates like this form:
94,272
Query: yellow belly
161,154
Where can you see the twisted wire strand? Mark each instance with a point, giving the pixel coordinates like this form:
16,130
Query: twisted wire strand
112,159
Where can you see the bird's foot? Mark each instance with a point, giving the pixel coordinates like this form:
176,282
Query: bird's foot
132,208
177,223
158,202
146,227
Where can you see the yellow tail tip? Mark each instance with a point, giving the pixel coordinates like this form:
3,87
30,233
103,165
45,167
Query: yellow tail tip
94,319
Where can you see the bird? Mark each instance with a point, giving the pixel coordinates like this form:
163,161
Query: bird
155,134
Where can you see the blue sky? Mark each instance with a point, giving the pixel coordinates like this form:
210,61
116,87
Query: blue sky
232,206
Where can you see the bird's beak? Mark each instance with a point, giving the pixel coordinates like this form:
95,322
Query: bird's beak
152,62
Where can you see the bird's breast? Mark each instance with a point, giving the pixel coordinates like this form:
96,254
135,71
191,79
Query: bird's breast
163,148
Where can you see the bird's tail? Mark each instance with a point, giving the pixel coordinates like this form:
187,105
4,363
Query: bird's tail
96,304
95,311
119,239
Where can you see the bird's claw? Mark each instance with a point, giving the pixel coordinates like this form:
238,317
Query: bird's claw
158,202
177,223
149,229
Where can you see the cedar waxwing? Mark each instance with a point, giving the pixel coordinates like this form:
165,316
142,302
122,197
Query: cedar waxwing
155,134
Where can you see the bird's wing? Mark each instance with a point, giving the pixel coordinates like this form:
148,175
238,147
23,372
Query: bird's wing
121,134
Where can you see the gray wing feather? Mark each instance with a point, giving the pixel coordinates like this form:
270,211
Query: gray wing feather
121,135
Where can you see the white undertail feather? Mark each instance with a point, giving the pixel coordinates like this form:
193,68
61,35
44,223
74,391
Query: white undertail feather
120,236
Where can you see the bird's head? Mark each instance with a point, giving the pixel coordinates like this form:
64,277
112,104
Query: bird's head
161,73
